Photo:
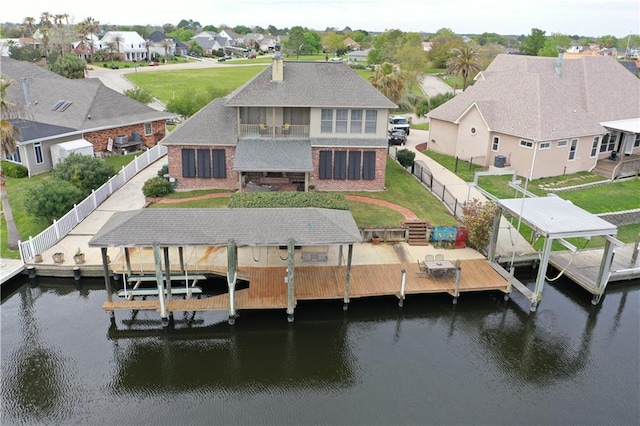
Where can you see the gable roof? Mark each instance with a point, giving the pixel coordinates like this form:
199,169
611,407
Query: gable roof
158,36
93,106
215,227
212,124
310,84
525,96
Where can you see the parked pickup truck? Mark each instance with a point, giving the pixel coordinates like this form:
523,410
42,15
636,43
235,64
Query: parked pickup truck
399,122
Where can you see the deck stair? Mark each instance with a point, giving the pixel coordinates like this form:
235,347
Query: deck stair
418,232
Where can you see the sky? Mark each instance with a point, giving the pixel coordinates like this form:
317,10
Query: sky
571,17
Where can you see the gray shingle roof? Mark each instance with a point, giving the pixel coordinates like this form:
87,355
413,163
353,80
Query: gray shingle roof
212,125
524,96
89,97
350,142
310,84
268,155
215,227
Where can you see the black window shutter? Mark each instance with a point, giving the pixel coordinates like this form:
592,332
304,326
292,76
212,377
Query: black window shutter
353,172
369,165
219,164
188,163
204,163
340,165
325,165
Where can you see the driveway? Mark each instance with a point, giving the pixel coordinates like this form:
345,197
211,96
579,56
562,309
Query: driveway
432,85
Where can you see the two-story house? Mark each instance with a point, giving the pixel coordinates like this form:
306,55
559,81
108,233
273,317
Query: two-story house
294,125
130,45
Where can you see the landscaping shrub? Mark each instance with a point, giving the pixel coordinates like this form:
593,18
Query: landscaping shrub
139,94
51,199
156,187
478,219
14,170
288,199
406,157
163,171
84,172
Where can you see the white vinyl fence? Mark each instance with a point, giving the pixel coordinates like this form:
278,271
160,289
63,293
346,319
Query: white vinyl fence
61,227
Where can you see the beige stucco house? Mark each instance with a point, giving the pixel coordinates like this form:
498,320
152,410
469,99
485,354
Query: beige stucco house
543,116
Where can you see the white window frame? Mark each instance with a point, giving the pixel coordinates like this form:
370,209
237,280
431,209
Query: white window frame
473,131
545,145
495,144
371,121
594,147
326,120
562,143
573,149
148,128
526,144
342,120
37,153
355,124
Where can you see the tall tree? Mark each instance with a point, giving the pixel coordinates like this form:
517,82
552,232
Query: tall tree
29,24
45,28
388,79
69,66
8,134
116,39
92,27
555,43
296,41
464,62
533,43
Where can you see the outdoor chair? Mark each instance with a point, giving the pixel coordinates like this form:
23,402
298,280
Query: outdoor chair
439,257
286,129
264,130
429,258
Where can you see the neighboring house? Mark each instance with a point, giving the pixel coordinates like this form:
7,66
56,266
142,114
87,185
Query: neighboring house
294,125
160,44
542,116
55,109
232,36
132,47
83,49
206,34
360,56
427,45
211,44
351,44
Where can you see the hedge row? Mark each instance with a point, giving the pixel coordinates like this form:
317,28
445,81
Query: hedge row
288,199
14,170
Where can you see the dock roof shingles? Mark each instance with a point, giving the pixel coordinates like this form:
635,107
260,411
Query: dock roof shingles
310,84
525,97
215,227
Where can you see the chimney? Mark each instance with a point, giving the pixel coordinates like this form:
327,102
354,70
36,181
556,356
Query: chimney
277,68
25,90
559,62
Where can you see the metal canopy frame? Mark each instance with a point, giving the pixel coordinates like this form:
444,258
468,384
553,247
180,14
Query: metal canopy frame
554,218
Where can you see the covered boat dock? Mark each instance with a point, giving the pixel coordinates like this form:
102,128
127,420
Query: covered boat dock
555,219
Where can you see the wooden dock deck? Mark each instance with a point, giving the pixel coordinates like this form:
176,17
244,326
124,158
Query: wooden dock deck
267,288
583,267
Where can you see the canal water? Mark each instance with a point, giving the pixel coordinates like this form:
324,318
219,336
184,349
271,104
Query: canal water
483,361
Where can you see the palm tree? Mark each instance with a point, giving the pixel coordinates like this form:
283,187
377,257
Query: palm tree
29,24
45,26
116,39
166,44
92,27
389,80
464,62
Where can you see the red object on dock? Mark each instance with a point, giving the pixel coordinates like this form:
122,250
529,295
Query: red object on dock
461,238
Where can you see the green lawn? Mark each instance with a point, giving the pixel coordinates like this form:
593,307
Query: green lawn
165,85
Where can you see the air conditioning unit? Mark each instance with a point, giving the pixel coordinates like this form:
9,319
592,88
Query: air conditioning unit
121,139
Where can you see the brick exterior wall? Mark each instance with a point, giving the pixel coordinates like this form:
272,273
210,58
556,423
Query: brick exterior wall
349,185
174,157
101,138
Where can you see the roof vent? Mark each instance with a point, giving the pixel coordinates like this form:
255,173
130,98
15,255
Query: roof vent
559,62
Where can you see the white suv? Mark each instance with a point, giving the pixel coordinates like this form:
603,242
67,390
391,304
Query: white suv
399,122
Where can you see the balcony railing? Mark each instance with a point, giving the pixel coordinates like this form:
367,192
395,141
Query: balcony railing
297,131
